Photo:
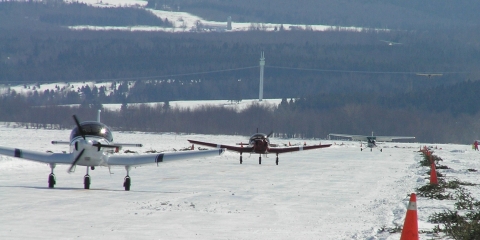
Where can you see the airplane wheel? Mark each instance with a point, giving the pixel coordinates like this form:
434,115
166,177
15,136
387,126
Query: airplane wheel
276,161
127,183
381,150
241,160
51,180
260,160
361,149
86,182
370,149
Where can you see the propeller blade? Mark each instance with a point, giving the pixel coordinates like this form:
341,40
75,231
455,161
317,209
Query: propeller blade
74,163
78,126
270,134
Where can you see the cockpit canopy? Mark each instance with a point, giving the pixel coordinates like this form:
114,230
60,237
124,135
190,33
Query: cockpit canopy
93,129
259,136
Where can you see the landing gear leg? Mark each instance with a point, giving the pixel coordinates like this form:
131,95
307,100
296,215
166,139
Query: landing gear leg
127,181
241,158
260,159
51,177
277,159
86,180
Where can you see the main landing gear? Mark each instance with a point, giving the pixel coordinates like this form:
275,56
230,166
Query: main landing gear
51,177
241,158
260,159
127,181
276,161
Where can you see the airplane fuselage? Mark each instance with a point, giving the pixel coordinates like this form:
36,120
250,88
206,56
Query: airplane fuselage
96,134
92,155
260,143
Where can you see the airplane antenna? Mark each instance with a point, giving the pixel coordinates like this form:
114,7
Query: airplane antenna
98,115
262,65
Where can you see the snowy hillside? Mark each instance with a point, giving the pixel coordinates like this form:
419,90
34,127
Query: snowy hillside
183,21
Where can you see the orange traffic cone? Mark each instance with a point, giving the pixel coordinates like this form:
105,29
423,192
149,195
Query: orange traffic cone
410,227
433,174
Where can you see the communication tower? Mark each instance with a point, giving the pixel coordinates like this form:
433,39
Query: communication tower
262,65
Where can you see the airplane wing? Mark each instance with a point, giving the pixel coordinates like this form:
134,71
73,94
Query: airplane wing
65,158
353,137
391,138
294,149
232,148
129,160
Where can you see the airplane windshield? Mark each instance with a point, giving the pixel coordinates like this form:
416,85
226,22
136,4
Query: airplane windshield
93,129
258,136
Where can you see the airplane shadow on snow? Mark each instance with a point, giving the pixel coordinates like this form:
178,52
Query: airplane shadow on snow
82,189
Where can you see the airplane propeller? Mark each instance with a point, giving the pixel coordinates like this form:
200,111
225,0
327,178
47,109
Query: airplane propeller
270,134
80,129
74,163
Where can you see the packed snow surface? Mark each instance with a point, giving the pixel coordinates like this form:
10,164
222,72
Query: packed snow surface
333,193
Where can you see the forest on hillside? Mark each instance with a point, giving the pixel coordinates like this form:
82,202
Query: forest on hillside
392,14
333,81
297,63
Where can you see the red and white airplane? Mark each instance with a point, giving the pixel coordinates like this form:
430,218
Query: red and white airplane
91,145
259,143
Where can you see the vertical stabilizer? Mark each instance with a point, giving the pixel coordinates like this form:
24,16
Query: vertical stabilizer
98,115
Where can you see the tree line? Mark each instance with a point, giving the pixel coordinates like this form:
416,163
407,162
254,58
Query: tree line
285,119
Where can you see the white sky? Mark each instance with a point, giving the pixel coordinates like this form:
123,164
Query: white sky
334,193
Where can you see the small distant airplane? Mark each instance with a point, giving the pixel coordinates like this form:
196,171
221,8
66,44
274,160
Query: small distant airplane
91,145
371,140
430,75
390,43
259,143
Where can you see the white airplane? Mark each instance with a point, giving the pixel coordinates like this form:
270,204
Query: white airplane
390,43
91,145
430,75
371,140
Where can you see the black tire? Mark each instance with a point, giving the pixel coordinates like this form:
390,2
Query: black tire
276,162
260,160
86,182
51,181
241,160
127,183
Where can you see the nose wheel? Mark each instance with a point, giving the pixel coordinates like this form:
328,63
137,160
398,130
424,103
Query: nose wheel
260,159
86,180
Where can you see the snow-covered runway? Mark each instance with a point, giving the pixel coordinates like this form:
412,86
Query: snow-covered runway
333,193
